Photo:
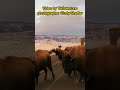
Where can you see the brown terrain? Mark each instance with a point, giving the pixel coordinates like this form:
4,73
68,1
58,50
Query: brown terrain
17,43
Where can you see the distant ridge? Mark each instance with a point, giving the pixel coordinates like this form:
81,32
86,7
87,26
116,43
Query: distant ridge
59,38
56,35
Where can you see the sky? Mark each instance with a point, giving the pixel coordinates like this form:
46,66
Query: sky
60,25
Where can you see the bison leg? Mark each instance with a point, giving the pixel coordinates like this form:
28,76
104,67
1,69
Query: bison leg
81,77
50,68
45,73
36,73
69,75
74,72
36,79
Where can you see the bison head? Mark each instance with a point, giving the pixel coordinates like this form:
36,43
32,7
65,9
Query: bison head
58,53
60,56
68,64
53,50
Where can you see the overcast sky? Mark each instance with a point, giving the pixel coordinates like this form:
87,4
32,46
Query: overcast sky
60,25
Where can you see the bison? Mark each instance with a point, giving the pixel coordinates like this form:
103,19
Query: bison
42,62
57,51
103,68
16,73
75,60
62,54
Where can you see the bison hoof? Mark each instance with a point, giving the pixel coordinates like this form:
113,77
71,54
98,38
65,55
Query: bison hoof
81,81
45,79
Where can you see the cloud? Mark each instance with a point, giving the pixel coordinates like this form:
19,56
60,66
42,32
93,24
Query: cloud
60,24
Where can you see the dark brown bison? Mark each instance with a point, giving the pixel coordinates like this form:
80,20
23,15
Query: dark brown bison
62,54
16,73
75,60
57,51
42,62
103,68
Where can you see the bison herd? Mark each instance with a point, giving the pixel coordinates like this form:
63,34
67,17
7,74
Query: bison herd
98,67
73,59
